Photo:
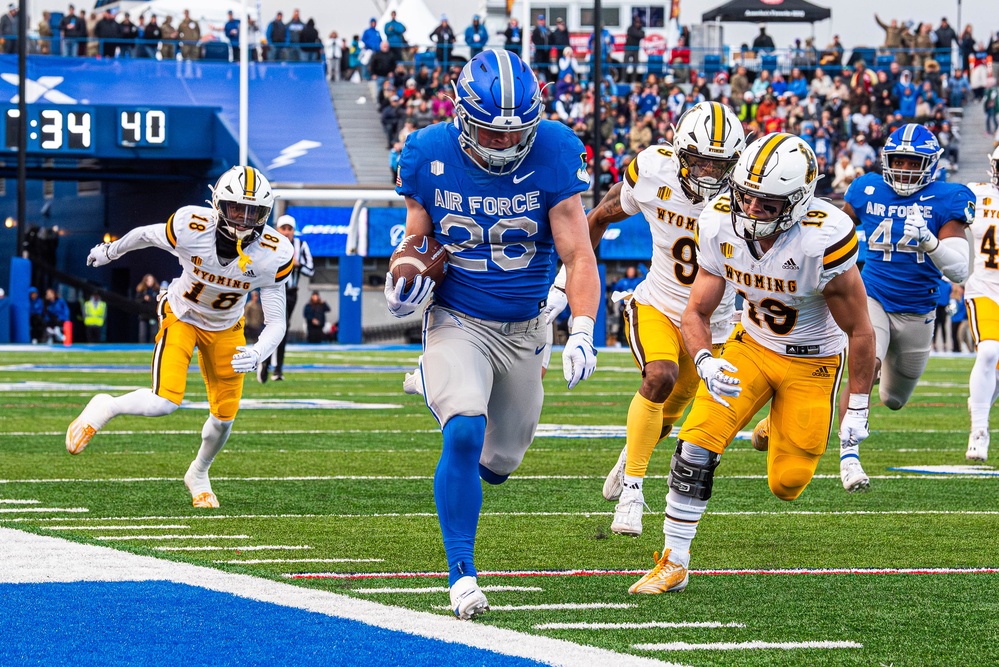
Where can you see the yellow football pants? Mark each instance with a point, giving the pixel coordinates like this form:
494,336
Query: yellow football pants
803,394
175,343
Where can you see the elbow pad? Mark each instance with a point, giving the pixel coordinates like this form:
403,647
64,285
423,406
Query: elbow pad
951,257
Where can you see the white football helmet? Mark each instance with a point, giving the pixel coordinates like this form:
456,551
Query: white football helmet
707,141
243,199
772,185
994,164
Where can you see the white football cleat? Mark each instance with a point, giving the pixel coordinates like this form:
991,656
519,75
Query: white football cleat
413,384
628,514
853,476
978,445
93,418
467,599
200,488
615,478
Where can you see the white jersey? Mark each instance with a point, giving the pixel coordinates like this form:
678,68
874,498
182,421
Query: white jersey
984,280
652,186
209,295
785,310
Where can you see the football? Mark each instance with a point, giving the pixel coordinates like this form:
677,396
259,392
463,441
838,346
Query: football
418,255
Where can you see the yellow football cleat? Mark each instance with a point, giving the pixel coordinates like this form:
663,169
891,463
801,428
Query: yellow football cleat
761,435
86,426
206,499
665,577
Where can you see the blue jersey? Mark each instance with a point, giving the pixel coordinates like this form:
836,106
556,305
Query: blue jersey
901,279
496,228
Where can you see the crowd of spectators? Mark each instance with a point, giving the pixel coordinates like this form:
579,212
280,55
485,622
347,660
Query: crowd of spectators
117,35
844,109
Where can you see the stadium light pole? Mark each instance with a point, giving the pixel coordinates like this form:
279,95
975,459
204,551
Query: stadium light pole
598,47
244,85
22,124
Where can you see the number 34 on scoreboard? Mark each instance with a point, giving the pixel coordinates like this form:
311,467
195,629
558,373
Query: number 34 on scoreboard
80,129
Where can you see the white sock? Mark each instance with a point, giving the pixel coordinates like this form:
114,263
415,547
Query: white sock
982,384
846,449
683,512
142,402
633,484
213,438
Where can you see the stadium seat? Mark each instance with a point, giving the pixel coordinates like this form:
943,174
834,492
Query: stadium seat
943,57
655,65
768,62
712,65
884,61
215,51
427,58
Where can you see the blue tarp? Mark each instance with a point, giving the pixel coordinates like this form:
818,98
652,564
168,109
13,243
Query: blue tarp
293,134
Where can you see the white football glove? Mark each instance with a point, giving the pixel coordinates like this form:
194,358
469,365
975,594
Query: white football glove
557,301
854,429
400,305
100,255
579,358
245,360
915,228
713,372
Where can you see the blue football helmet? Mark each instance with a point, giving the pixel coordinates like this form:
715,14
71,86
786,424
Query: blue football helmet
910,141
496,91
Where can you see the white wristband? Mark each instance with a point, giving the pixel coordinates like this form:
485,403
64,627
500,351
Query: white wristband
582,324
859,402
701,354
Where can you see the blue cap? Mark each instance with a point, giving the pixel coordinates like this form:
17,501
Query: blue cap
372,20
541,17
475,17
32,289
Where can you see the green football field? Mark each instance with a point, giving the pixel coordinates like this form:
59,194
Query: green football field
328,478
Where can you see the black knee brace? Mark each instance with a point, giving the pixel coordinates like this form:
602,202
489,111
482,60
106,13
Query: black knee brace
692,479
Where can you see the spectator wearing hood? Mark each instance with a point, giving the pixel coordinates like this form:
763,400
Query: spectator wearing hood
906,93
476,36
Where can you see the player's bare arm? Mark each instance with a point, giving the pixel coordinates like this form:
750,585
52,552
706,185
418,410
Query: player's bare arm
695,323
608,211
417,219
851,213
568,224
847,301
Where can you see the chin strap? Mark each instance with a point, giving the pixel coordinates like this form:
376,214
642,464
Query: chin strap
244,259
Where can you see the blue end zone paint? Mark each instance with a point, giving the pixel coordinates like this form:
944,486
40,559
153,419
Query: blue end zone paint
163,623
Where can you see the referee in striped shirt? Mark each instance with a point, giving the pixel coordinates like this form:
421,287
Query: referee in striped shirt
303,266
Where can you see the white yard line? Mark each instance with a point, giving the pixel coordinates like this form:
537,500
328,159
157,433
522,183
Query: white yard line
31,558
137,527
411,515
444,589
122,538
21,510
637,626
246,547
985,473
567,606
743,646
261,561
16,501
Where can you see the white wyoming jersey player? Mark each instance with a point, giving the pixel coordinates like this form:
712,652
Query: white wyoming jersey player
652,187
209,295
785,310
984,280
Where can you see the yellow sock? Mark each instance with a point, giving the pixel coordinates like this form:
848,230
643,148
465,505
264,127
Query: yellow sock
645,425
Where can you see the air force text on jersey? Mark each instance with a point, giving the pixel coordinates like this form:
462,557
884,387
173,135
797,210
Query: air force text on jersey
519,203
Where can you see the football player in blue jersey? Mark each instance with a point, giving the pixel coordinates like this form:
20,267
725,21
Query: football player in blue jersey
915,230
500,188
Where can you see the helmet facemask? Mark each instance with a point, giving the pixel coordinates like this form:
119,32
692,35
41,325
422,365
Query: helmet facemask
911,180
995,168
703,177
496,161
242,222
243,200
757,217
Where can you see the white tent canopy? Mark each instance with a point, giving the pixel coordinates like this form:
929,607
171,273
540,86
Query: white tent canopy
418,19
